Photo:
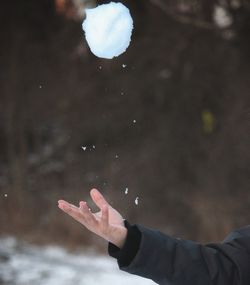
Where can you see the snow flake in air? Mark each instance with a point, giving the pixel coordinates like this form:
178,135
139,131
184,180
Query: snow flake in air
222,18
136,201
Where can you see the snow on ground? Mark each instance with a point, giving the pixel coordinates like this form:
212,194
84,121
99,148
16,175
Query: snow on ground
23,264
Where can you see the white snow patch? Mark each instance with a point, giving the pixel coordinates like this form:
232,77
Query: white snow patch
22,264
126,190
108,29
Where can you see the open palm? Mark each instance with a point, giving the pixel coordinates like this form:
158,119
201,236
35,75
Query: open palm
107,223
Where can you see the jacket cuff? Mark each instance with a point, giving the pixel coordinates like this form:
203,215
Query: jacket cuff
127,253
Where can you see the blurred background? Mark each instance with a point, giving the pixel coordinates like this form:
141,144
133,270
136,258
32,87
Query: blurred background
166,124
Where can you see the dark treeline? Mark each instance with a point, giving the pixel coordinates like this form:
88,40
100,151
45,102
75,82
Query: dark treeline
172,125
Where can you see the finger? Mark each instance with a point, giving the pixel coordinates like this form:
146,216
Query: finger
71,210
62,202
98,215
105,216
98,198
87,214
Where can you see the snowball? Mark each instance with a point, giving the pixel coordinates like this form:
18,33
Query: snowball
108,29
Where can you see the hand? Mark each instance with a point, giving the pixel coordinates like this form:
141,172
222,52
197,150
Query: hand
107,223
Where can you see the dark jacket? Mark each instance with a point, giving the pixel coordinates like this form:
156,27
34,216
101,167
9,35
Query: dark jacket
171,261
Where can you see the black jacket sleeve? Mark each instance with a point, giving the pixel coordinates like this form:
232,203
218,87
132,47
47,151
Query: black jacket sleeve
167,260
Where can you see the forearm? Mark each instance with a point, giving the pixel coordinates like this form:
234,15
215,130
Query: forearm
167,260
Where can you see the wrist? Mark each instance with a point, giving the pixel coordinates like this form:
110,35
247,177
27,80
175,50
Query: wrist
119,237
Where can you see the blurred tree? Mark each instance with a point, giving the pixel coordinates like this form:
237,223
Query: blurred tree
185,75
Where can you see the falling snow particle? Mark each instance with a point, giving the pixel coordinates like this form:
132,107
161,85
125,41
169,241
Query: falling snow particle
222,18
100,67
5,195
84,148
93,146
126,190
122,93
134,121
116,156
136,200
40,86
124,65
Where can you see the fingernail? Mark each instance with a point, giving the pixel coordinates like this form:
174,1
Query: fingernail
63,207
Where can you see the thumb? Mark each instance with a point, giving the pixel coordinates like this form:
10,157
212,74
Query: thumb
98,198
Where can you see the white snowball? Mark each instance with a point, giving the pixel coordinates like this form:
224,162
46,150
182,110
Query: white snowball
108,29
